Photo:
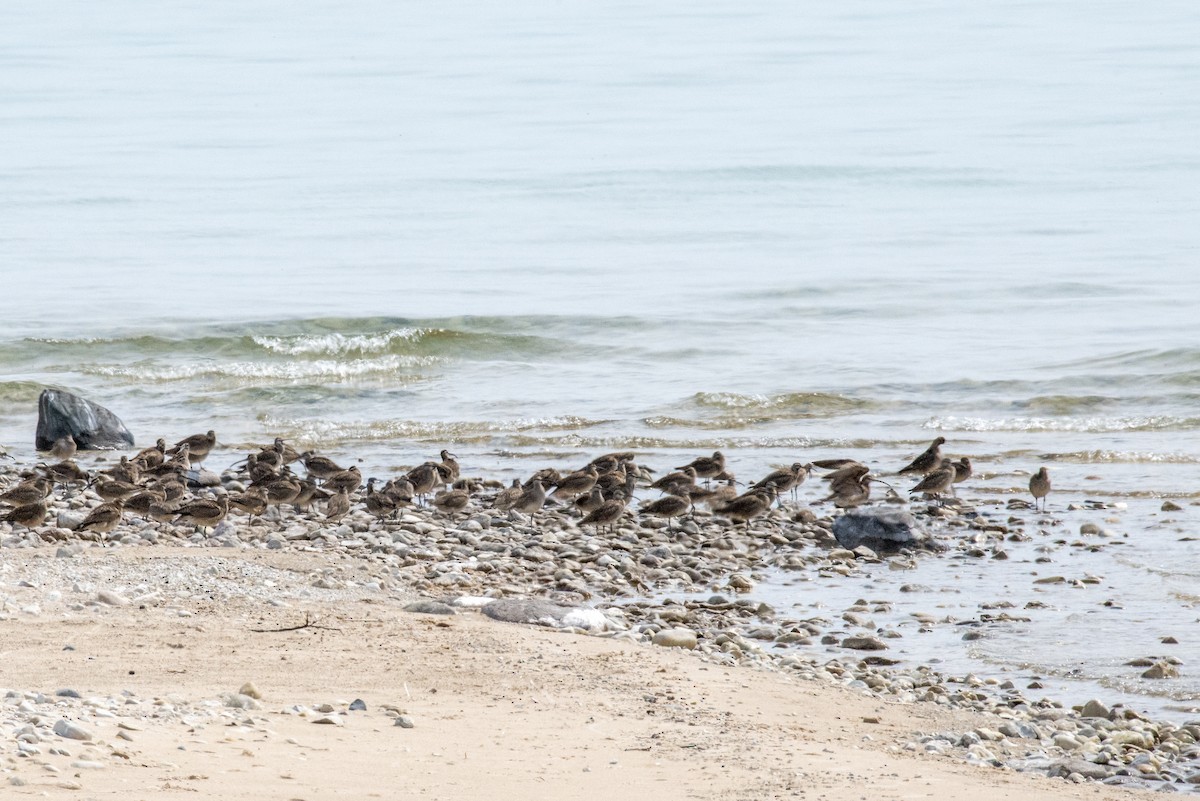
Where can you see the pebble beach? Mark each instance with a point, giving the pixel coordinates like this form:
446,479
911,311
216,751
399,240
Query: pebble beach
690,591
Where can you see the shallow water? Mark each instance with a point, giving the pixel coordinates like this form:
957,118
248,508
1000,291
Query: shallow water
533,234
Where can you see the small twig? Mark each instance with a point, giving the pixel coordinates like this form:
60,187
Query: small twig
308,623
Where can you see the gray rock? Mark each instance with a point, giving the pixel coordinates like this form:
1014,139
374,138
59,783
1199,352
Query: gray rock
67,729
1094,709
520,610
358,705
1088,770
111,598
67,693
429,608
676,638
70,520
329,720
404,722
64,414
883,530
864,644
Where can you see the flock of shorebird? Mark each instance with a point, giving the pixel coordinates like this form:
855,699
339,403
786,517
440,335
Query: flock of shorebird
156,484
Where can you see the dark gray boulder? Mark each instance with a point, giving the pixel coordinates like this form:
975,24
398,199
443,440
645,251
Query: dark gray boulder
882,529
61,414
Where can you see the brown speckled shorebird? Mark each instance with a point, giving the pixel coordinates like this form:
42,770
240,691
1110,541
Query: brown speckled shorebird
203,512
452,501
139,503
707,467
786,480
64,448
937,482
349,479
508,496
851,488
578,483
962,471
685,477
450,466
29,491
378,503
103,518
531,500
423,478
319,467
338,506
1039,487
198,445
928,461
609,513
748,506
252,502
29,515
668,506
586,504
151,458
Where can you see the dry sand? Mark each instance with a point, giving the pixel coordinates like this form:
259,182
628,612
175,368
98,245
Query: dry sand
499,711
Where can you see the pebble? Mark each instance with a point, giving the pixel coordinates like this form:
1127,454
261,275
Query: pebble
110,598
67,729
404,722
676,638
866,643
329,720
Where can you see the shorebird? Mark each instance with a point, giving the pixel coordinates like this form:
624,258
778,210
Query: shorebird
399,491
589,503
786,480
139,502
962,471
28,515
282,491
260,472
1039,487
126,471
349,479
452,501
29,491
851,488
64,448
309,492
668,506
110,489
204,512
684,477
320,467
378,503
151,458
578,483
748,506
198,445
450,463
608,514
338,506
423,479
252,502
531,500
707,467
66,473
928,461
612,461
103,518
508,496
938,481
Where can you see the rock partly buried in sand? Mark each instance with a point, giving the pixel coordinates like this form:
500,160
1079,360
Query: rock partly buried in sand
63,414
676,638
544,613
67,729
429,608
881,529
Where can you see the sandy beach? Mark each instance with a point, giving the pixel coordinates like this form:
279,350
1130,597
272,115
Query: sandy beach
497,710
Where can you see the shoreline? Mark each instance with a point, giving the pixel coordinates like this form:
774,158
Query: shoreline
381,566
